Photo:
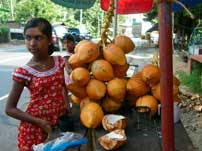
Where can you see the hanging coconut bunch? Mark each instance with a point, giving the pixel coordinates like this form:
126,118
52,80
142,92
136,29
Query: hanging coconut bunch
98,86
99,69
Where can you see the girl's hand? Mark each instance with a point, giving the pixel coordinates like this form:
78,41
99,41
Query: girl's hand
45,125
67,107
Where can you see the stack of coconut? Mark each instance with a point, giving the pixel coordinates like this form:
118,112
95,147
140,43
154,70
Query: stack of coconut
98,85
143,88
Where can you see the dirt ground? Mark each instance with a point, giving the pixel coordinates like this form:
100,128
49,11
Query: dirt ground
190,115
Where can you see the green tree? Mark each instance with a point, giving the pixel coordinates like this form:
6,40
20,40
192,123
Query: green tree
25,9
4,11
38,8
152,16
183,24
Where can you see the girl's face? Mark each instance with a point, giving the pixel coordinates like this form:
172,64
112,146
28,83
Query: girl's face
69,45
36,42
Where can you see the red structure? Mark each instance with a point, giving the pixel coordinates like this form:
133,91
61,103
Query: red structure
166,67
129,6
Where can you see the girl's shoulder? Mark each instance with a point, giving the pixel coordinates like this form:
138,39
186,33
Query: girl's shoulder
59,60
21,70
21,74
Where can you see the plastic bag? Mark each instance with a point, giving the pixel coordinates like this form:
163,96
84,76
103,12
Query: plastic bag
67,140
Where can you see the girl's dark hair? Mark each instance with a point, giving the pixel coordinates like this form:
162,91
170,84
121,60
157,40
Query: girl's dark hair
44,26
69,37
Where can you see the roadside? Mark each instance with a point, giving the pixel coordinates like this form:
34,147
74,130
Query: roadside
13,43
191,119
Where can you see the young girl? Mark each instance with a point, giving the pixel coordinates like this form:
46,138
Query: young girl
43,75
69,45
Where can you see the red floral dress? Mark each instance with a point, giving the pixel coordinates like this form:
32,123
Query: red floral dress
46,100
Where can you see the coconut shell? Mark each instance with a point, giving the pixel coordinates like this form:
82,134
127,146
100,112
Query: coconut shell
84,101
137,87
125,43
80,75
77,90
116,88
87,52
109,105
74,99
114,55
78,45
91,115
112,122
96,89
102,70
151,74
148,101
120,71
156,92
113,140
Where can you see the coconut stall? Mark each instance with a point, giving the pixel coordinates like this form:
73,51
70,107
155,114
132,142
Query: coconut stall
115,111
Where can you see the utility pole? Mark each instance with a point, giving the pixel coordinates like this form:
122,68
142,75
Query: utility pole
11,7
115,18
81,16
166,68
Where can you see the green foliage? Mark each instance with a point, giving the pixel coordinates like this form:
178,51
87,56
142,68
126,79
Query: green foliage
38,8
92,18
183,24
25,9
152,16
194,80
4,32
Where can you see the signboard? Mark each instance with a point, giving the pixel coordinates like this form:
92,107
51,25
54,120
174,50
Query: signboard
77,4
137,29
129,6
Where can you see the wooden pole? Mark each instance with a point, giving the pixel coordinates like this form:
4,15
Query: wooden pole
166,67
115,17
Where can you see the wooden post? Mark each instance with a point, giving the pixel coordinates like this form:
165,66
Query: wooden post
166,67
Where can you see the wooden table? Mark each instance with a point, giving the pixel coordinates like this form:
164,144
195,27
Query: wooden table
143,134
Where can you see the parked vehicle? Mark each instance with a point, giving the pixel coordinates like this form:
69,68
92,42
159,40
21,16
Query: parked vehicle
16,33
76,33
86,36
57,34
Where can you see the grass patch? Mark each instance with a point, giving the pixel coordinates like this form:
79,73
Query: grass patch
192,81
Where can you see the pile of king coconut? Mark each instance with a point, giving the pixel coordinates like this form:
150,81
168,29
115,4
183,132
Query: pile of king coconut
99,87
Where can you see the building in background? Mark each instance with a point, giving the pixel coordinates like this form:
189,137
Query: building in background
134,26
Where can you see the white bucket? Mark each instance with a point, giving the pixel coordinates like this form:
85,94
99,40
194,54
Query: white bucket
176,111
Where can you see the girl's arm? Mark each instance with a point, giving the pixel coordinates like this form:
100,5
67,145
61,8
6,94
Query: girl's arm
13,111
67,66
66,98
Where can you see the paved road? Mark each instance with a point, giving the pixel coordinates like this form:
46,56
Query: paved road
12,56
